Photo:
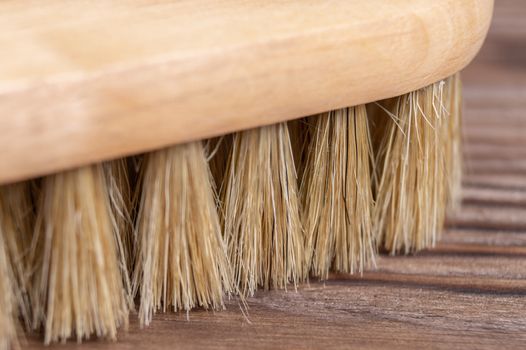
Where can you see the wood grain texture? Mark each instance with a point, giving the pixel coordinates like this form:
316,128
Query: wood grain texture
468,293
84,81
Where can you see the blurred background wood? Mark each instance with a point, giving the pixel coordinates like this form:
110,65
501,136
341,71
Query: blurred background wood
469,292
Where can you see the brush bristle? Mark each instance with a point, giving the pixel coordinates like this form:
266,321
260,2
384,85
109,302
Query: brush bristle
7,301
78,286
16,218
8,317
411,193
182,259
452,141
336,191
218,151
119,196
16,224
262,210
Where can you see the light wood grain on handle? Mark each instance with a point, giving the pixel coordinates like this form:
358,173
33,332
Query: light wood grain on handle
85,81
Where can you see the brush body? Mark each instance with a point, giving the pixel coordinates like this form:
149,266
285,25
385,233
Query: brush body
373,177
189,70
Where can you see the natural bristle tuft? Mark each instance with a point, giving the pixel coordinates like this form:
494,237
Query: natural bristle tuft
16,224
119,196
412,160
78,288
7,300
452,139
336,192
181,261
262,210
16,218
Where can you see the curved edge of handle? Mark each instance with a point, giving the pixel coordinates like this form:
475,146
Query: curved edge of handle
51,125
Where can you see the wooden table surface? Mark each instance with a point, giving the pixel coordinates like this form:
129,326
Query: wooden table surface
469,292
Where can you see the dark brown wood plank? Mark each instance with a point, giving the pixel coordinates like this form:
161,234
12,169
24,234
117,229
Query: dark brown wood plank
490,217
378,310
498,239
475,195
505,181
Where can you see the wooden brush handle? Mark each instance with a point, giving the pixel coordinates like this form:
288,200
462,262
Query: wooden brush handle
85,81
